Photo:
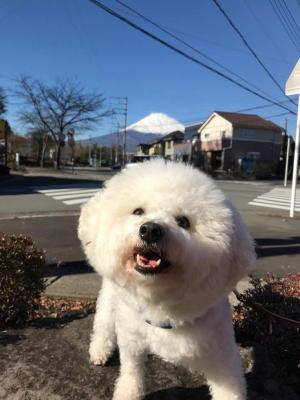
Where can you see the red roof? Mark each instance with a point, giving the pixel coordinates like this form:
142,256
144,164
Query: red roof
248,120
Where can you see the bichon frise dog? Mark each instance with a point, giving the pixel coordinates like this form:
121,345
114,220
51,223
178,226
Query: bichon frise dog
170,247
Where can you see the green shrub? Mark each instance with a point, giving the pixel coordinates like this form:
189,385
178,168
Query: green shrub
21,278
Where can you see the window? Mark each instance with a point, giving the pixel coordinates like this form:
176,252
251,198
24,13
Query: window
206,135
223,134
248,133
254,155
168,145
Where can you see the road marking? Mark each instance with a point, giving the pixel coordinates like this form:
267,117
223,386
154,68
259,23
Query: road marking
277,198
62,192
241,182
70,194
77,201
280,202
73,196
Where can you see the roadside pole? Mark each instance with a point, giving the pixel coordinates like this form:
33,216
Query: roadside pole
293,87
125,131
122,110
296,163
287,160
6,143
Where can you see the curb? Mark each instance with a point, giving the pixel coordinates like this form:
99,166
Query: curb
40,215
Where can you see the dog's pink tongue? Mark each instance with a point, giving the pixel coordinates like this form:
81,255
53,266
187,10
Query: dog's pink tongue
148,261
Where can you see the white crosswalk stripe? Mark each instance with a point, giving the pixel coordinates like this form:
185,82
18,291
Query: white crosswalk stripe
277,198
69,194
241,182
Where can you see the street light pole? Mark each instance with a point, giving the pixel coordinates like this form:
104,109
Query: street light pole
296,162
125,130
293,87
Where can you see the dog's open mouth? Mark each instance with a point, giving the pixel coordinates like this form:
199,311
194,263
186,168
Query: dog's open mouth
149,262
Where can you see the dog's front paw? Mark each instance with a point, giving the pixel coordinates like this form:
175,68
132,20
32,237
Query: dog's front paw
128,387
99,353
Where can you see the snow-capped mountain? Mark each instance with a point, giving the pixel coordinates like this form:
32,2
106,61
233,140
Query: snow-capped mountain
145,130
156,123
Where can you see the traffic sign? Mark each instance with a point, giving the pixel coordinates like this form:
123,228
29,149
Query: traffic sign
293,83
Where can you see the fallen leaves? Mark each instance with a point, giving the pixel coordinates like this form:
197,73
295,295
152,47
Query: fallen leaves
50,307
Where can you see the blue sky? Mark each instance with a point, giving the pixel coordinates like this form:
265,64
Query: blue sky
73,38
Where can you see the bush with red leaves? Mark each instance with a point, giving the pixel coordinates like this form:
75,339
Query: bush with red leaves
21,278
280,339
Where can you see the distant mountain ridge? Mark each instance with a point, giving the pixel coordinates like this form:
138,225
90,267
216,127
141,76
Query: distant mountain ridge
152,127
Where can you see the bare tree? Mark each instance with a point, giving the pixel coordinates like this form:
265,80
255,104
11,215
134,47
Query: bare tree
58,107
40,141
2,101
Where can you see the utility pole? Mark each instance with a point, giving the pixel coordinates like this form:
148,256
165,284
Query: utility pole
123,110
90,151
125,130
6,143
287,160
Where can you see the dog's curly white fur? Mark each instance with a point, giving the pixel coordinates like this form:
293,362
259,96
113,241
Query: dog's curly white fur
206,257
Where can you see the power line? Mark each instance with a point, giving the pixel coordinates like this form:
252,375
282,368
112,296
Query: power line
182,53
267,34
285,26
188,45
277,115
289,23
260,107
294,22
249,47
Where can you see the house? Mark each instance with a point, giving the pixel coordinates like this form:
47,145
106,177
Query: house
164,146
168,144
142,149
191,131
188,149
155,148
228,139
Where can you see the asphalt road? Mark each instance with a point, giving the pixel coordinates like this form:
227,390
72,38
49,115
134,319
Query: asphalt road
20,196
52,224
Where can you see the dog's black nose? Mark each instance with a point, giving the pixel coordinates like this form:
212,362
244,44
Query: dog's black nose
151,232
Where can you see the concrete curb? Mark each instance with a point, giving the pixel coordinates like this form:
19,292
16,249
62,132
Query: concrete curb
87,286
65,213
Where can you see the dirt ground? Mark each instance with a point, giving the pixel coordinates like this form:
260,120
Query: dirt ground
49,361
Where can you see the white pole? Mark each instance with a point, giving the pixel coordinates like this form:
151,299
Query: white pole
287,161
295,167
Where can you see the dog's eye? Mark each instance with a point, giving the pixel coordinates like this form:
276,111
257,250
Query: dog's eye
138,211
183,222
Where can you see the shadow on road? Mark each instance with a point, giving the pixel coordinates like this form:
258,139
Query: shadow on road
7,338
20,185
270,247
67,268
178,393
56,322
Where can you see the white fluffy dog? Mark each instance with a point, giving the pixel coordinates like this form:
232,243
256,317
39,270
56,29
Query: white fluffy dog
170,247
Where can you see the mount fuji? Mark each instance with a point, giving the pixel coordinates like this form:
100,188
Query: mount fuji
149,128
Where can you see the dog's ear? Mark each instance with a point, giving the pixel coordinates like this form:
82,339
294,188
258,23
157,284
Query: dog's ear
89,222
242,250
